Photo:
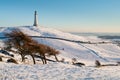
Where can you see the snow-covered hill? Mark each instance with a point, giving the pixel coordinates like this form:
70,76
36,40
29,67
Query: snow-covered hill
57,71
86,53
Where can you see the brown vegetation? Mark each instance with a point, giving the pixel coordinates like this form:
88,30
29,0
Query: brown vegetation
25,45
11,60
74,62
97,63
0,58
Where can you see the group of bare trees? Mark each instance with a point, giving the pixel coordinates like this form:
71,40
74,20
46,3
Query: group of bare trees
25,45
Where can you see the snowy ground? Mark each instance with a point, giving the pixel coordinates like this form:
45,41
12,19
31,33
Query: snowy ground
86,53
57,71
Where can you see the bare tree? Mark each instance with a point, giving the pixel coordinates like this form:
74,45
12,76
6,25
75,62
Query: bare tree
19,41
52,52
39,48
25,45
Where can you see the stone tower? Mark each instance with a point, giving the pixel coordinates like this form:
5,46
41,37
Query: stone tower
35,19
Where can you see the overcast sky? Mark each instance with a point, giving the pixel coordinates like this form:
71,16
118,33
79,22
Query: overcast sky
66,15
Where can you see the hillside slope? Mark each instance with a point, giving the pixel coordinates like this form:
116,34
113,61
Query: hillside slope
86,53
57,71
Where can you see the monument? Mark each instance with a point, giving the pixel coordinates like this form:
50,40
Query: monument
35,19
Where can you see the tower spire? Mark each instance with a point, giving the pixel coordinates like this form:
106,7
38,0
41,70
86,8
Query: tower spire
35,19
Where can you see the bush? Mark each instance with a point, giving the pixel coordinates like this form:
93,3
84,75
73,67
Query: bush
97,63
74,60
52,52
118,62
11,60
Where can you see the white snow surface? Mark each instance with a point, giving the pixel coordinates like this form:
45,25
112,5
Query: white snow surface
85,53
56,71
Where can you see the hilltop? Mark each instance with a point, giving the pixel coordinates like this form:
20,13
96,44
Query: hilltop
85,53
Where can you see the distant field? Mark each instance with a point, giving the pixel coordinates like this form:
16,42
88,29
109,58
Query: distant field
115,36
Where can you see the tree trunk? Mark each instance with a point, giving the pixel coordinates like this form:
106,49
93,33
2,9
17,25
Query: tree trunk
42,60
56,58
45,59
23,59
33,59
